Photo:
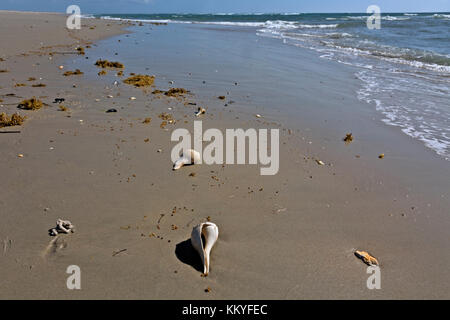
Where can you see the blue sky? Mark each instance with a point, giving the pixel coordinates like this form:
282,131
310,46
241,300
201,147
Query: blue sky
225,6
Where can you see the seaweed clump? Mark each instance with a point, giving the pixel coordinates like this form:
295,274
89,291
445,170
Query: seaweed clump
109,64
348,138
176,92
167,118
140,80
7,121
102,73
80,50
31,104
72,73
39,85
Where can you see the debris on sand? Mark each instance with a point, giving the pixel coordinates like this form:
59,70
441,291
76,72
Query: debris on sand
62,226
59,100
31,104
381,156
188,157
115,253
63,108
320,162
109,64
9,121
176,92
221,97
167,117
348,138
120,73
31,78
200,111
111,110
3,71
20,85
39,85
366,258
147,120
72,73
140,80
80,50
102,73
258,115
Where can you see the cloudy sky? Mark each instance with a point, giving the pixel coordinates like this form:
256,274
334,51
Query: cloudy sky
225,6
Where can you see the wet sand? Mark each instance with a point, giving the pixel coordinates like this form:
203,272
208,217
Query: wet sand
288,236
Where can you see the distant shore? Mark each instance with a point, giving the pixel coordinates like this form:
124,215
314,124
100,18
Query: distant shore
288,236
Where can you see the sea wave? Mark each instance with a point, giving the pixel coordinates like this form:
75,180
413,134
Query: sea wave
441,16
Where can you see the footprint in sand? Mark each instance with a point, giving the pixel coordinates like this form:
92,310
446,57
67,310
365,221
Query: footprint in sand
54,248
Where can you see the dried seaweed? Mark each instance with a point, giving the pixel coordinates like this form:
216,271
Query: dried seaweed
175,92
39,85
109,64
72,73
7,121
348,138
102,73
140,80
31,104
80,50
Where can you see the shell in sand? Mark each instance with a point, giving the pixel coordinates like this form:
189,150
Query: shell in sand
189,156
203,238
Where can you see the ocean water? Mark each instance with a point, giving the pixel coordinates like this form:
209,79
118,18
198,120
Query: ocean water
404,67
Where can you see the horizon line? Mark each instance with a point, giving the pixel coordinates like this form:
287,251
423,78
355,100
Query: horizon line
232,13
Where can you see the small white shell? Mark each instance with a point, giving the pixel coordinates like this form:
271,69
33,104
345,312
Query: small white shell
210,233
200,111
189,156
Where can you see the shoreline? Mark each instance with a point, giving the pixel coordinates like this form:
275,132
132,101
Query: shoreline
117,189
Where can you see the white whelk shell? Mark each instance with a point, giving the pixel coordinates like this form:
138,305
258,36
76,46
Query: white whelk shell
200,111
203,238
189,156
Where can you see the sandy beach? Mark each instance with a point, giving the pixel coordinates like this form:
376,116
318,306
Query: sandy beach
288,236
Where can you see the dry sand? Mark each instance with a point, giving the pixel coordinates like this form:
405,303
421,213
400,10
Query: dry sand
289,236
